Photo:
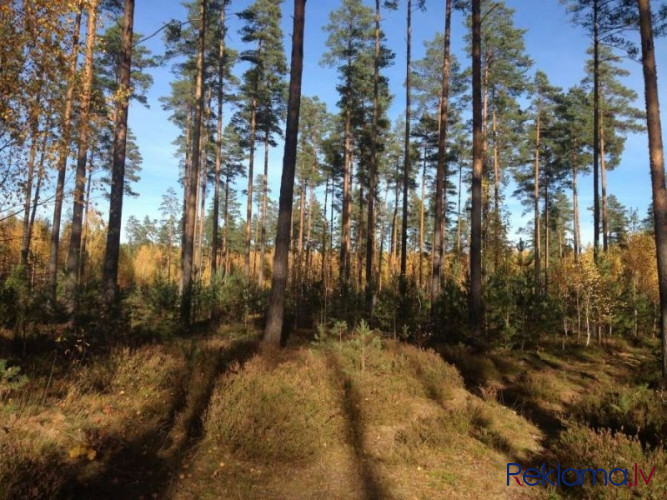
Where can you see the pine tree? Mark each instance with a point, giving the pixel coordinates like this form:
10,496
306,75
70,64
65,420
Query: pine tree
262,85
657,161
349,44
119,148
276,309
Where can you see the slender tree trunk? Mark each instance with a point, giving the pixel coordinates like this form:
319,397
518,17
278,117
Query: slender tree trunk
536,201
225,233
345,223
478,148
458,212
218,146
323,270
657,161
38,186
393,248
596,129
203,180
603,180
546,231
63,153
438,237
190,220
276,310
112,252
370,231
265,198
299,246
360,236
74,255
496,193
86,223
406,154
575,207
309,227
32,158
421,222
486,198
383,235
251,165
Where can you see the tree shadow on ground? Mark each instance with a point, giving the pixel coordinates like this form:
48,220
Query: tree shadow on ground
373,488
145,467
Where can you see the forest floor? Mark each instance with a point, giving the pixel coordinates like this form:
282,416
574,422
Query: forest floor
220,416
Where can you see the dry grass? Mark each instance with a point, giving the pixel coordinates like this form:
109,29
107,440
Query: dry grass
310,423
66,435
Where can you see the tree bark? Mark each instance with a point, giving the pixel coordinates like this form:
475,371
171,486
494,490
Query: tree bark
345,223
190,219
575,207
74,254
496,193
603,180
370,231
596,130
657,162
112,253
251,165
225,233
421,222
546,230
265,200
406,155
478,148
32,158
440,209
218,146
276,309
536,207
63,153
309,226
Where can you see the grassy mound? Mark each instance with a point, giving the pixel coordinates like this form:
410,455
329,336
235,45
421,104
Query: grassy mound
354,417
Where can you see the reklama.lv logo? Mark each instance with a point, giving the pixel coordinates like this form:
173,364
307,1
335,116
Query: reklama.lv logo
576,477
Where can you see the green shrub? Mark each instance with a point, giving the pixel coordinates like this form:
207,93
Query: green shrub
154,308
635,411
10,379
581,447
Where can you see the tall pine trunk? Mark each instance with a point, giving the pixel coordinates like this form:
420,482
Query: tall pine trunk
603,180
251,166
657,161
406,154
536,207
276,309
421,222
225,232
370,231
546,230
323,273
477,155
74,253
112,253
218,146
440,209
265,201
63,153
345,223
190,220
596,129
575,208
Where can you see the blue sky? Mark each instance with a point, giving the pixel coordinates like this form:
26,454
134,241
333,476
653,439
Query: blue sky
556,46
